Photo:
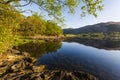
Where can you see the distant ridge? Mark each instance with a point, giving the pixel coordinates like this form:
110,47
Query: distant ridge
100,27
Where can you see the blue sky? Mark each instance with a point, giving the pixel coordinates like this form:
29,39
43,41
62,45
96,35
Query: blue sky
111,12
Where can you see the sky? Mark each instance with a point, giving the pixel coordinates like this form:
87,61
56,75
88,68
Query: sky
111,12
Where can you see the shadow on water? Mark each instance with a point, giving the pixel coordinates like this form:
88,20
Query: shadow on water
37,49
101,44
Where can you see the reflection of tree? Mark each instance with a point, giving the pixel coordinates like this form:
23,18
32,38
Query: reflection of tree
102,44
36,49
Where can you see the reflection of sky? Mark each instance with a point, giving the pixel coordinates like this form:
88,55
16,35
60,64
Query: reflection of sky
100,62
103,55
111,12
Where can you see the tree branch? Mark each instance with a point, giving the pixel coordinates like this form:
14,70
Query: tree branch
8,2
24,4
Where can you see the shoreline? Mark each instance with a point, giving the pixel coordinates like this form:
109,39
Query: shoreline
20,65
46,38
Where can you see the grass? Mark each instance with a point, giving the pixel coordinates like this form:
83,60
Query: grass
20,41
24,40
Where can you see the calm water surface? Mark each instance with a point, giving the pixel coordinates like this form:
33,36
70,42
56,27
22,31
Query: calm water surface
83,55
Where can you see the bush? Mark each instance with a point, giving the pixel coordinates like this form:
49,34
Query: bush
6,39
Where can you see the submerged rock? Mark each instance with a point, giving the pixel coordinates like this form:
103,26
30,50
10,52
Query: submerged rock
21,67
67,75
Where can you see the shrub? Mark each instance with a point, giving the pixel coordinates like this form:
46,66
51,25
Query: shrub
6,39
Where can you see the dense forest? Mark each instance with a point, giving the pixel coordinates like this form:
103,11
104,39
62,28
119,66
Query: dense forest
35,25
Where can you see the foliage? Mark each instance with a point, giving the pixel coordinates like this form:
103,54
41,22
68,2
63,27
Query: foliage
55,8
13,23
19,41
35,25
14,26
9,22
37,48
32,25
70,35
88,35
6,39
9,17
113,35
93,35
100,35
53,29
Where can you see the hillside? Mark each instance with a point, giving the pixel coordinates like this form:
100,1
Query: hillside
100,27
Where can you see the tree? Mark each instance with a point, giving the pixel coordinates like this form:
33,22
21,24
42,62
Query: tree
6,39
55,8
35,25
32,25
10,17
53,29
9,22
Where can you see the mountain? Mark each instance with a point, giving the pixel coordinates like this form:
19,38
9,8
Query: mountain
100,27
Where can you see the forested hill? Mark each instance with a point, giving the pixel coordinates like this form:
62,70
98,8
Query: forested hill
100,27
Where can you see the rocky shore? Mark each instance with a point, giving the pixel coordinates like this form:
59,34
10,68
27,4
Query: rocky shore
16,65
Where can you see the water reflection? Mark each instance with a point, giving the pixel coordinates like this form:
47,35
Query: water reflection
101,60
103,64
101,44
36,49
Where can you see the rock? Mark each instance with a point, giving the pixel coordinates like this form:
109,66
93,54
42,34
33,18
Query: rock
4,70
22,65
12,63
36,76
66,75
38,68
26,54
13,51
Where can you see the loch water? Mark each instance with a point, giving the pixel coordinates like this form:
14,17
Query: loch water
100,58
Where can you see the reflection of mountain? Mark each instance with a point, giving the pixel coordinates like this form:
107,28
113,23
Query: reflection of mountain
102,44
36,49
76,57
